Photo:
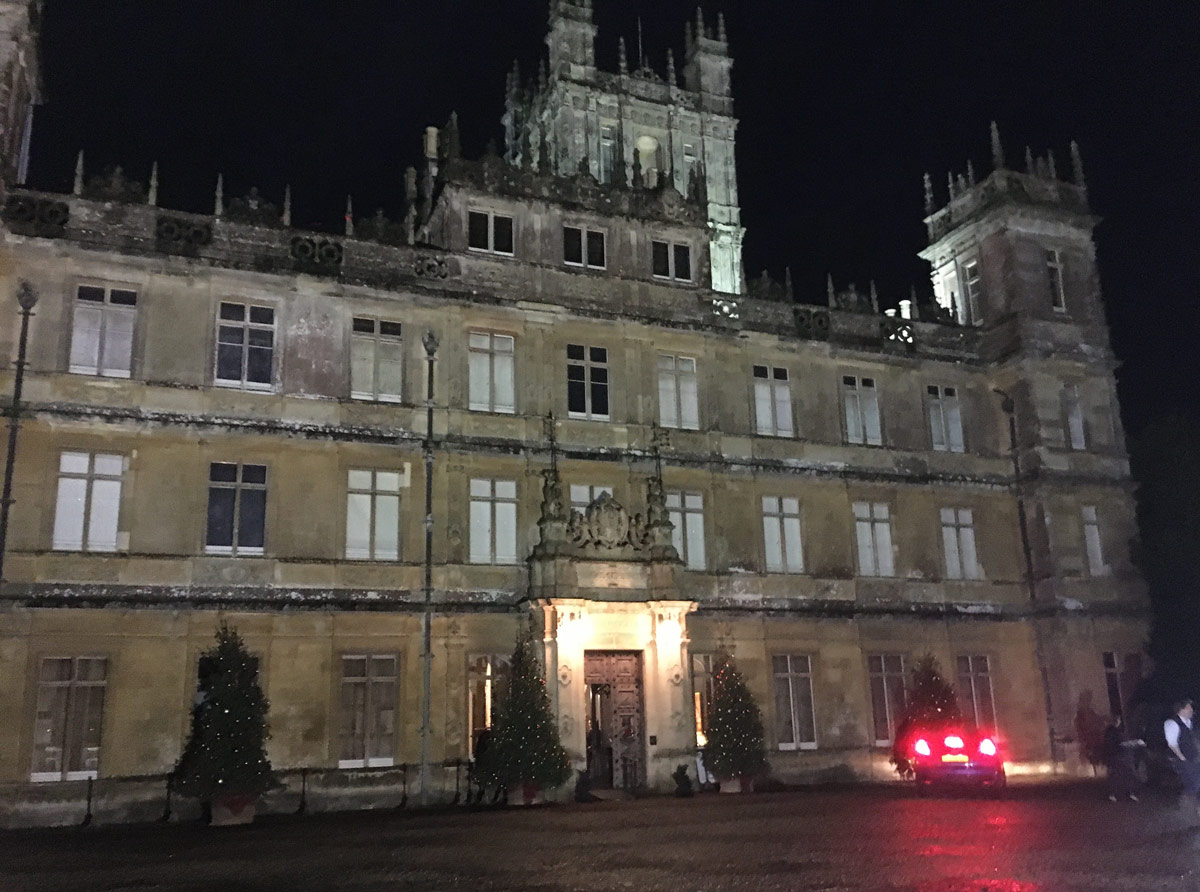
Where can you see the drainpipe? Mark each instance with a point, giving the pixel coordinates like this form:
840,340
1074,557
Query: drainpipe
430,342
27,298
1008,406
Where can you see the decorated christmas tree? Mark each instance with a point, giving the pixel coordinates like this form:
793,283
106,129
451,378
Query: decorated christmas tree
225,755
735,746
931,702
524,749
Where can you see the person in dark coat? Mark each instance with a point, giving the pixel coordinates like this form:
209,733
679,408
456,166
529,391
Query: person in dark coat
1118,758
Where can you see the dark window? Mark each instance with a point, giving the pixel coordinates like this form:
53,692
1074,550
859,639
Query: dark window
760,371
595,245
123,298
478,234
237,508
364,326
662,259
502,241
91,292
490,232
245,346
572,245
683,263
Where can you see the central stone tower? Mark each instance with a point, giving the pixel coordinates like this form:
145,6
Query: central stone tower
635,126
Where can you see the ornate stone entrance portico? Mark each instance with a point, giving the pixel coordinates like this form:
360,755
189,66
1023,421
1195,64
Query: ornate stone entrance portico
605,600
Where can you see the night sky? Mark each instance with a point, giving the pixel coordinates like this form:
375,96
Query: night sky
842,105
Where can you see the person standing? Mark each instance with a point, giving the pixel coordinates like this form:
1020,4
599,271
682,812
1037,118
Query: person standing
1118,758
1185,755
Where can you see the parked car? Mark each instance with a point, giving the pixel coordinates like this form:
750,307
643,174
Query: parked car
955,755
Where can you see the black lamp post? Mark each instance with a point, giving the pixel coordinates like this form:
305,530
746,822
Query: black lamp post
27,298
430,343
1008,406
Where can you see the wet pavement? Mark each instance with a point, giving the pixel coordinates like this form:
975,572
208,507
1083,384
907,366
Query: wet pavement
1037,839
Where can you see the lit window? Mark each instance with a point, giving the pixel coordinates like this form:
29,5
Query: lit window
974,292
678,399
493,521
89,501
373,515
795,721
889,696
781,535
958,544
1073,410
686,513
490,232
608,153
945,418
1093,542
583,495
975,692
490,360
102,331
376,360
487,686
1054,274
772,402
873,533
861,403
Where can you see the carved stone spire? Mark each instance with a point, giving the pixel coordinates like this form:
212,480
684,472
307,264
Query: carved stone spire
829,292
671,78
722,35
950,184
622,59
1029,161
219,197
1050,165
552,522
970,173
152,195
700,32
451,139
787,283
874,298
349,217
1077,166
928,195
997,149
77,189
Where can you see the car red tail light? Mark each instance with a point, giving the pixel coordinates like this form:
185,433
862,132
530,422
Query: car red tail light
922,747
953,742
987,746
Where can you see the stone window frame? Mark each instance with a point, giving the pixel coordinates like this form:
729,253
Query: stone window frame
971,677
857,385
876,515
886,676
492,671
958,529
376,492
672,375
494,499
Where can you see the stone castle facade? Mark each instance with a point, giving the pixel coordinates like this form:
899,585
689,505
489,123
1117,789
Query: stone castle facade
634,454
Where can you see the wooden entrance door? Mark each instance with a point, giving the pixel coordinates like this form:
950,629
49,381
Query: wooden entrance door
616,741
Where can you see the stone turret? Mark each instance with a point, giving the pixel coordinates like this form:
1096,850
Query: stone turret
572,40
